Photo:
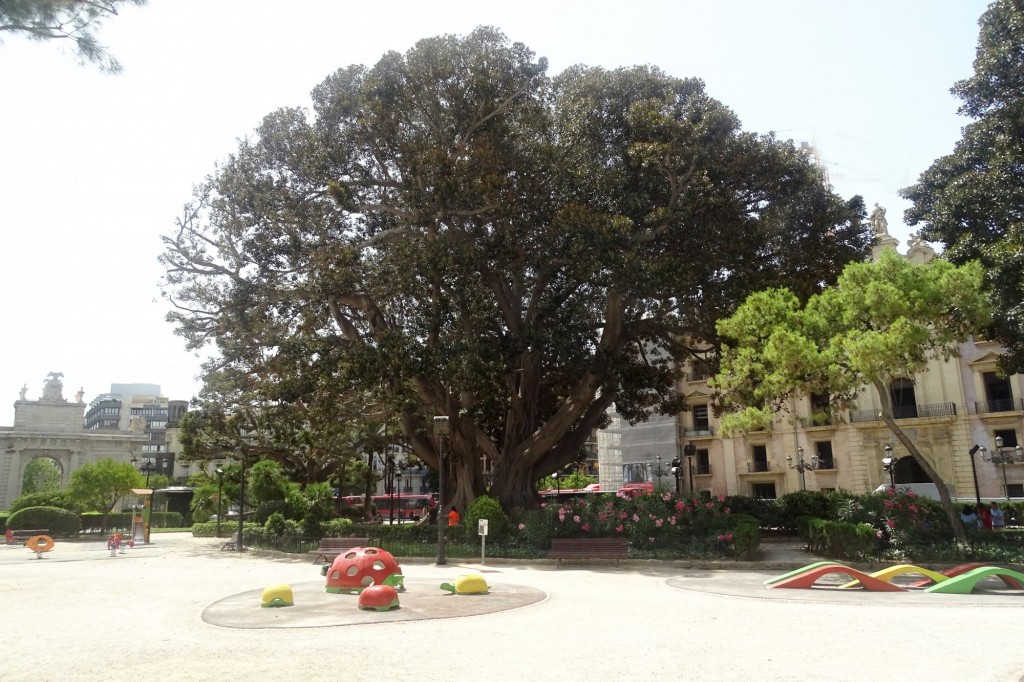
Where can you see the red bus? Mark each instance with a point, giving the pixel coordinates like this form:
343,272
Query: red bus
403,507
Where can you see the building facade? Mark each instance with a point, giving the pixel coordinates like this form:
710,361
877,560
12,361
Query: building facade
946,410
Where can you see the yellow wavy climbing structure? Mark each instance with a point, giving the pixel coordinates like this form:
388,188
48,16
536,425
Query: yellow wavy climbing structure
887,574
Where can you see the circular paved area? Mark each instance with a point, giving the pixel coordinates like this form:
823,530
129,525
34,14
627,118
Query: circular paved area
314,607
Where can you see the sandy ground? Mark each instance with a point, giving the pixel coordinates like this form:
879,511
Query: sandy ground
80,614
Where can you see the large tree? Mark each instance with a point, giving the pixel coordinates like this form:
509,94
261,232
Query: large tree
881,321
98,486
75,21
470,238
972,201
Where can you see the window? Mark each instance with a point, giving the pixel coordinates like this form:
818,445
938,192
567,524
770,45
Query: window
1015,490
763,491
703,462
1009,437
158,424
998,392
700,418
759,459
904,402
826,491
823,449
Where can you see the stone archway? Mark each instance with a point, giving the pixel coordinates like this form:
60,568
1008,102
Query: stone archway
42,473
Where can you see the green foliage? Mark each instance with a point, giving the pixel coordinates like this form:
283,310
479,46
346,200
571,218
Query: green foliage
208,529
266,482
98,486
515,252
498,524
286,508
574,481
746,539
337,528
59,522
278,525
838,539
58,498
970,200
65,20
804,503
42,475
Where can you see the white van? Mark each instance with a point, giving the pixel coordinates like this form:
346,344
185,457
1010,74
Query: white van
920,489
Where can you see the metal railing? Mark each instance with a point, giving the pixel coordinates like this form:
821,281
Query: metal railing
700,432
906,412
820,420
1004,405
825,464
754,467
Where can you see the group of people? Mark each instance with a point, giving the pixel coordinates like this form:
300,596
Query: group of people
431,516
985,517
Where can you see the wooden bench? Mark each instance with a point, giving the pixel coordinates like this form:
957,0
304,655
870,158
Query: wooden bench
231,544
18,537
332,547
588,548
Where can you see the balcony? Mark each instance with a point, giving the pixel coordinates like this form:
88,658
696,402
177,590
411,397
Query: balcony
758,467
700,431
824,464
906,412
1006,405
819,419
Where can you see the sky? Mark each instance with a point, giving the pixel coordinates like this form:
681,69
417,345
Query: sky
94,168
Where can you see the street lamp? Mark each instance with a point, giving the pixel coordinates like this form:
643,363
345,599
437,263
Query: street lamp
677,471
689,451
1003,458
240,546
658,473
889,464
220,497
149,465
974,470
442,429
801,466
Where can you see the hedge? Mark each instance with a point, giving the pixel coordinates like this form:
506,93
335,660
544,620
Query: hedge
59,522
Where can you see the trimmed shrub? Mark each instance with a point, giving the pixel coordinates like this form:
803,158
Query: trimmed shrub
208,529
337,528
746,537
54,498
485,507
284,507
59,522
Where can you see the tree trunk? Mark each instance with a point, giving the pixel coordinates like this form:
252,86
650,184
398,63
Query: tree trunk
947,502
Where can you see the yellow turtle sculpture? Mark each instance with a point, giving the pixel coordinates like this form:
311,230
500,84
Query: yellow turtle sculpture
471,583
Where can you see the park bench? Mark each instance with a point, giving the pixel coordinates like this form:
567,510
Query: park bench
588,548
332,547
18,537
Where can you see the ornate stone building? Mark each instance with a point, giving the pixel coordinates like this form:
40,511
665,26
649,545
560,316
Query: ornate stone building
946,410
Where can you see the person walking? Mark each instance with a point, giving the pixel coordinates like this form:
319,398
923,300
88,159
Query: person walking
453,516
968,517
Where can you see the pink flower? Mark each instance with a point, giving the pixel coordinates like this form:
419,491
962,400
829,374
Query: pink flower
622,515
561,517
576,519
602,517
658,523
636,519
710,505
890,523
680,506
618,528
586,528
878,533
543,505
912,507
672,520
667,496
721,498
888,504
522,526
726,510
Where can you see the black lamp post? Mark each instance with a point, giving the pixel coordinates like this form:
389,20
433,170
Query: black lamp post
658,473
801,466
689,451
1002,457
220,497
889,464
240,546
442,429
974,470
677,471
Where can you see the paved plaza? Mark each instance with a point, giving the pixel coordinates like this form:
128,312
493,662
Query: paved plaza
180,609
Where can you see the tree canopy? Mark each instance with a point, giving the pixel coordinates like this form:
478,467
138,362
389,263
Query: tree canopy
972,201
463,235
75,21
99,485
882,320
